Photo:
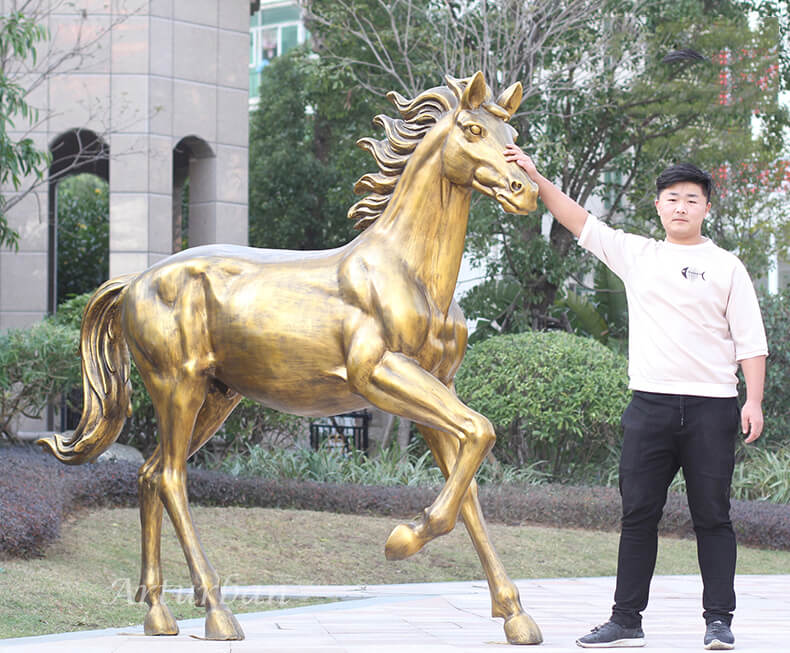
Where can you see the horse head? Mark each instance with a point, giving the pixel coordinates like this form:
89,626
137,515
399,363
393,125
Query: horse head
473,135
473,153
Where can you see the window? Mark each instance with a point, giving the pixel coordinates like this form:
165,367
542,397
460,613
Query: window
273,32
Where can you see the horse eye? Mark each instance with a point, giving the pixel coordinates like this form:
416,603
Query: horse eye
476,129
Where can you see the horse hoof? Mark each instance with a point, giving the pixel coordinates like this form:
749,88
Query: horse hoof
159,621
402,543
521,629
222,625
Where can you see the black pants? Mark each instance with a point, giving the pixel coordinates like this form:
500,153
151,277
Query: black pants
663,433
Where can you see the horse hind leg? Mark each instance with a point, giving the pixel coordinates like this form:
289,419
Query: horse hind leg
219,403
158,619
179,403
520,628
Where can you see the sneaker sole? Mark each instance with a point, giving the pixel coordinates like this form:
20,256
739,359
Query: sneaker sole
618,643
716,645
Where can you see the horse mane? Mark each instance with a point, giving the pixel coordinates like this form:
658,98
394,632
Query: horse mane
403,135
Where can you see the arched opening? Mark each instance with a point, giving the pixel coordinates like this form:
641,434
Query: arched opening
190,157
79,154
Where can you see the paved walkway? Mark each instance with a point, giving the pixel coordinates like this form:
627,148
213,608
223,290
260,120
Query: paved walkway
452,617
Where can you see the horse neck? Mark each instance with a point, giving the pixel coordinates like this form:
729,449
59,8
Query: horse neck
426,220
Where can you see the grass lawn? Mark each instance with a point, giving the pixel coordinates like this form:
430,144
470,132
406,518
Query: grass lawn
88,578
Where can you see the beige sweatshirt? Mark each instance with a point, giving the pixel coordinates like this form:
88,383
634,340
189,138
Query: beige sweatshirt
692,311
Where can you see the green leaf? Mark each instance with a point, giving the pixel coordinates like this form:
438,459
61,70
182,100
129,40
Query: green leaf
586,315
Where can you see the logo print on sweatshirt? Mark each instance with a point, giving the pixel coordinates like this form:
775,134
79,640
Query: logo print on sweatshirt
692,274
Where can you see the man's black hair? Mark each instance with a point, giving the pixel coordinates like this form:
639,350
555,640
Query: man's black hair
681,172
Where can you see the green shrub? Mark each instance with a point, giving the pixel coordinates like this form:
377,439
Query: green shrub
759,475
762,475
69,313
252,424
391,467
328,466
36,366
776,315
551,396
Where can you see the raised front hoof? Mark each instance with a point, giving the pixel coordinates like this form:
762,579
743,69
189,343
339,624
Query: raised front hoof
522,629
402,543
222,625
159,621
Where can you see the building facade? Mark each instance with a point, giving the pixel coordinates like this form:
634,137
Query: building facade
274,29
158,94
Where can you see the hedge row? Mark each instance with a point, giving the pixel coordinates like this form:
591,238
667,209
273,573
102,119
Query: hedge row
36,492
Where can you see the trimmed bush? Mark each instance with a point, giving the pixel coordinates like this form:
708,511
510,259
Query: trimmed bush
31,504
36,365
759,524
36,492
551,396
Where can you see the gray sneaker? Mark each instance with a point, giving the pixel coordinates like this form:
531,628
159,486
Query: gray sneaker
612,635
719,637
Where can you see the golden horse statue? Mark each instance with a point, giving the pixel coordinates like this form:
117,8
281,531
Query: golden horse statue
316,333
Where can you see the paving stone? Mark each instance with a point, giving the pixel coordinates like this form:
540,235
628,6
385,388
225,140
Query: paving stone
453,618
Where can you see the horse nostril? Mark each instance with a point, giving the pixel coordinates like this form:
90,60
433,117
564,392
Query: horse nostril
516,186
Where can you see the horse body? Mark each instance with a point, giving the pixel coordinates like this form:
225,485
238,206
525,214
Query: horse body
316,333
274,319
232,295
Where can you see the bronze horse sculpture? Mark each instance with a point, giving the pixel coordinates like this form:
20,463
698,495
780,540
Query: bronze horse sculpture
316,333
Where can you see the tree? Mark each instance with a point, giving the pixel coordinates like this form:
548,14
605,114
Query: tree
660,100
614,90
19,37
737,132
303,155
28,58
408,45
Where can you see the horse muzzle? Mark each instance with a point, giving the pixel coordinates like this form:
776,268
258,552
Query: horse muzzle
520,196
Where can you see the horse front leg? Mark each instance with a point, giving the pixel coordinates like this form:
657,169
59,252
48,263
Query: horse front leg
520,628
398,385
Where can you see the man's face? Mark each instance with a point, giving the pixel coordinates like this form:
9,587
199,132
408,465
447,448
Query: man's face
682,208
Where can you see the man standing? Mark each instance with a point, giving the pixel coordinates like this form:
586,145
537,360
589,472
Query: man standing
693,317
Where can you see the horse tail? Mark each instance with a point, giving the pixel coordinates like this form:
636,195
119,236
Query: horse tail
106,390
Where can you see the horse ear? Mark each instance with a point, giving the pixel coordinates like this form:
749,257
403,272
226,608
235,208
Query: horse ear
475,92
510,100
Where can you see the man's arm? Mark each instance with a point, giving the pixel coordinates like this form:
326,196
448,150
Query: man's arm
752,412
568,213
